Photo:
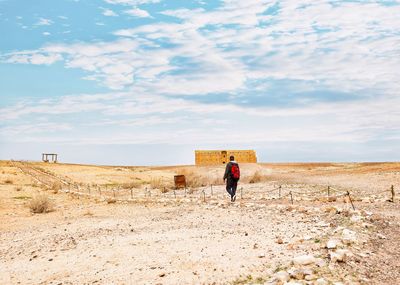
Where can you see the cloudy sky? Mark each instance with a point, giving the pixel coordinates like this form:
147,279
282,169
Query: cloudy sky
146,82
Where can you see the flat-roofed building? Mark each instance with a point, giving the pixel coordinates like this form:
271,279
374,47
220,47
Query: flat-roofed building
213,157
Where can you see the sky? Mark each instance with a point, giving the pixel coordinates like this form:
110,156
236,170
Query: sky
146,82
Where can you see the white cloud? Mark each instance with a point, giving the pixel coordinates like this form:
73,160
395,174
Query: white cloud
46,34
109,13
131,2
136,12
33,58
44,22
345,46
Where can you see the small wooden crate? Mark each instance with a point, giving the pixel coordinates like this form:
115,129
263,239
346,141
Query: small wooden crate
180,181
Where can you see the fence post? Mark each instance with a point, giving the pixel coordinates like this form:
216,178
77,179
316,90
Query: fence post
291,196
280,188
99,190
393,193
131,193
329,188
114,192
351,201
174,193
204,196
211,190
185,191
241,193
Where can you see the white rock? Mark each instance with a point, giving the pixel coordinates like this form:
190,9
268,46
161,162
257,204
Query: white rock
348,236
367,225
321,281
282,276
304,260
381,236
320,262
297,274
332,244
355,218
339,255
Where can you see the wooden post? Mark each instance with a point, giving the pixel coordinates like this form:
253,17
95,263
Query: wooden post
291,196
185,190
204,196
241,193
280,188
114,192
174,194
393,193
211,190
131,193
329,188
351,201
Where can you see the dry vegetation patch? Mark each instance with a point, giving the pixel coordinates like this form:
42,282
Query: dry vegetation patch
8,181
41,204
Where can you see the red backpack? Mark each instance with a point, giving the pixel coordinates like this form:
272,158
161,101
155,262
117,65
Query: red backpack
235,171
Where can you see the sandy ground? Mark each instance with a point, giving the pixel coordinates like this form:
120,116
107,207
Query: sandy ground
150,237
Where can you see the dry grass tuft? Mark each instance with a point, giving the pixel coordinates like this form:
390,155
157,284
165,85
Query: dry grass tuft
256,178
8,181
111,201
41,204
130,185
55,187
194,180
18,188
156,183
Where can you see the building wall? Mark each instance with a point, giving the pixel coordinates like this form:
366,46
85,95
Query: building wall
214,157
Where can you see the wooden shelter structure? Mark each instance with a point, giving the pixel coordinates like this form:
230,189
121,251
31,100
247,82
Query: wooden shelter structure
214,157
53,157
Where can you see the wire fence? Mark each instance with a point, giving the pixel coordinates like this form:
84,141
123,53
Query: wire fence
289,192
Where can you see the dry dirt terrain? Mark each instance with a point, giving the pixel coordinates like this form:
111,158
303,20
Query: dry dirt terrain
291,224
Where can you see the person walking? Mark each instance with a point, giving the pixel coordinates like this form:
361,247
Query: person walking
232,176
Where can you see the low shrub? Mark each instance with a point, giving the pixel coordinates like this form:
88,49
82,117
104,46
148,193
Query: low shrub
41,204
8,181
55,187
256,177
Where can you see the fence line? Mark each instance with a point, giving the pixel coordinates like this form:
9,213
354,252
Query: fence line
201,193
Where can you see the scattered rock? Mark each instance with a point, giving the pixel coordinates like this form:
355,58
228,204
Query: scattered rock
339,255
381,236
111,201
281,276
321,281
304,260
332,244
355,218
348,236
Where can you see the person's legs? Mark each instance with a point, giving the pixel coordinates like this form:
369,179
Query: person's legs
233,192
229,187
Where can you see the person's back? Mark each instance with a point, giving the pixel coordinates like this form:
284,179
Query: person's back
232,176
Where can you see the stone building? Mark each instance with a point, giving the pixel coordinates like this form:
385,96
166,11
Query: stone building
214,157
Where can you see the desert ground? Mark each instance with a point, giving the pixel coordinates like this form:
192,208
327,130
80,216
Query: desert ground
292,223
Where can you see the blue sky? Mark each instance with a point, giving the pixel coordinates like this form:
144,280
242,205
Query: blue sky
149,81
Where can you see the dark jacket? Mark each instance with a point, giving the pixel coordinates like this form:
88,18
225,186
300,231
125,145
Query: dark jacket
228,170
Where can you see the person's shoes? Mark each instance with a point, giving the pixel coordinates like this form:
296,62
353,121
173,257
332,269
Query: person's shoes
233,199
